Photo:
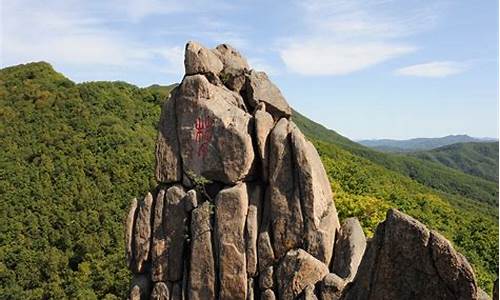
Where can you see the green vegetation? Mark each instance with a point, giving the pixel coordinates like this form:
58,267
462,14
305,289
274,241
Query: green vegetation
478,159
73,156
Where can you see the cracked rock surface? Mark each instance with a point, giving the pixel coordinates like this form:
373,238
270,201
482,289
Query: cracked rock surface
244,208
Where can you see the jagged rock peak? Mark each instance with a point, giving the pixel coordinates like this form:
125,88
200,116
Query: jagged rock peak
244,208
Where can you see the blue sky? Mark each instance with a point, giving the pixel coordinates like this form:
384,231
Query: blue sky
367,69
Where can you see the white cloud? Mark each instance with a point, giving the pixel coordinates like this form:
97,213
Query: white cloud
103,35
318,58
434,69
61,35
347,36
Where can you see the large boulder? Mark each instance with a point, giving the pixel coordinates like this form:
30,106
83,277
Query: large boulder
232,61
283,193
160,291
255,195
231,206
349,249
158,246
142,234
407,261
200,60
331,287
202,276
214,132
129,233
318,209
263,125
297,270
260,89
168,162
174,227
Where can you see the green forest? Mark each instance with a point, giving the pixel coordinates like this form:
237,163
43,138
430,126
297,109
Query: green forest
74,155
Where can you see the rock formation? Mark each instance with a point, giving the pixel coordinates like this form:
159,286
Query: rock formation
244,208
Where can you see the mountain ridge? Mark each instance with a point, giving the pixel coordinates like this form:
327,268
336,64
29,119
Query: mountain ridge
419,144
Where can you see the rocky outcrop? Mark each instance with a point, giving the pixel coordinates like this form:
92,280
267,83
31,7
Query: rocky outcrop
407,261
244,208
296,271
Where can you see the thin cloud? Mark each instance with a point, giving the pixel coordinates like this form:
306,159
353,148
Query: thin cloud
96,35
347,36
317,58
436,69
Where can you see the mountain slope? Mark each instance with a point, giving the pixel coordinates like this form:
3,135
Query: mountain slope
478,159
73,155
418,144
431,174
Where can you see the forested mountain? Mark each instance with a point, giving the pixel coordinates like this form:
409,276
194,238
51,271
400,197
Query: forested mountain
418,144
478,159
72,156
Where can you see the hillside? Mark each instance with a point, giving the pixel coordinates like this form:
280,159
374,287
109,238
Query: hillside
418,144
478,159
431,174
73,155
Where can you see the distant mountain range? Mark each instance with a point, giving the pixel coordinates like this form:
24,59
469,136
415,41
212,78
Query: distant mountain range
418,144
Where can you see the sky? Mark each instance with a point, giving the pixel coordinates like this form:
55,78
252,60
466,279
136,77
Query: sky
365,68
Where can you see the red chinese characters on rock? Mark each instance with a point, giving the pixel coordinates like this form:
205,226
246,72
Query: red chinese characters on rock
203,134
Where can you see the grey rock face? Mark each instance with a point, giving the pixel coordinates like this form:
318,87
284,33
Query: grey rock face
297,270
191,200
232,61
265,250
202,277
266,280
158,249
263,125
308,293
200,60
174,223
214,132
261,89
160,292
452,268
142,234
283,194
255,194
129,233
349,249
319,212
268,295
168,163
231,206
406,261
331,287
